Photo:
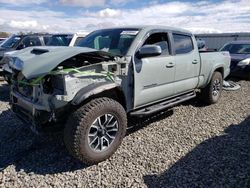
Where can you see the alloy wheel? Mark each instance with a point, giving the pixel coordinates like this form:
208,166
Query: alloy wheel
102,132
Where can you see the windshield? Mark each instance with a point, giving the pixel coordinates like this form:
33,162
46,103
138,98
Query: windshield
11,42
114,41
59,40
237,48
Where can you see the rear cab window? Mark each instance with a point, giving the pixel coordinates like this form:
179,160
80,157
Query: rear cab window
182,43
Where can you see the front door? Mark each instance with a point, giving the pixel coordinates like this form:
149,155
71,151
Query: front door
154,76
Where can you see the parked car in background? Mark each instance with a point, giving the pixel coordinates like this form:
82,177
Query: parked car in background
2,40
240,58
201,45
18,42
65,39
45,40
114,74
59,40
77,37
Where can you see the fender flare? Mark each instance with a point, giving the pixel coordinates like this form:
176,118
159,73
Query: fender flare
91,90
212,72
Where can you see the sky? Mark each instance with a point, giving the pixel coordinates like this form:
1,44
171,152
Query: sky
70,16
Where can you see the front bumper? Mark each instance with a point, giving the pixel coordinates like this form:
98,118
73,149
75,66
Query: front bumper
34,115
240,71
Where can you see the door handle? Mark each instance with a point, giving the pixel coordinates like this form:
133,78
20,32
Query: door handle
170,65
195,61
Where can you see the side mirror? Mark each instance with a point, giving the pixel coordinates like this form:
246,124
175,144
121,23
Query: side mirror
149,51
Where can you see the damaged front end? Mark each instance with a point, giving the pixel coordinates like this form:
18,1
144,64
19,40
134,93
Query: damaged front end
33,103
46,98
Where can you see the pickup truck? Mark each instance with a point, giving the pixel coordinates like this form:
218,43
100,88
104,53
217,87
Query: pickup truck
115,74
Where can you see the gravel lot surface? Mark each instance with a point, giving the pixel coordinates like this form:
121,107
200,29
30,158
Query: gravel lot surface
195,146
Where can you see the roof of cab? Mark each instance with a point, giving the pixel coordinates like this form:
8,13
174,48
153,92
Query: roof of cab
151,27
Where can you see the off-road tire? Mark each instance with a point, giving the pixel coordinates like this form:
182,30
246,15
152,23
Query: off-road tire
207,93
77,129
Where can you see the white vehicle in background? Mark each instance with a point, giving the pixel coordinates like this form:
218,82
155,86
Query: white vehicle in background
77,37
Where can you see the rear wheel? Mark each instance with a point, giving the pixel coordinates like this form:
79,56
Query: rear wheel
212,92
95,131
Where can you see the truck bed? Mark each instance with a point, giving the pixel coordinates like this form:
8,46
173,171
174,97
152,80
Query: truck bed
212,60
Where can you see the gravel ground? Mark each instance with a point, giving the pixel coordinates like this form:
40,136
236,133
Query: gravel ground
193,146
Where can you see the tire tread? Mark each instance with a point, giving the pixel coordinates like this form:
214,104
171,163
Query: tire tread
74,129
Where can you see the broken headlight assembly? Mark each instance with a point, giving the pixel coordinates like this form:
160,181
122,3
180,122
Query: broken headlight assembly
53,85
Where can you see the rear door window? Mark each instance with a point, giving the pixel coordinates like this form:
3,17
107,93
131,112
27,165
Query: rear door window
183,43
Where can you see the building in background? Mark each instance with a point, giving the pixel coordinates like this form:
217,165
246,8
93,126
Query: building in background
217,40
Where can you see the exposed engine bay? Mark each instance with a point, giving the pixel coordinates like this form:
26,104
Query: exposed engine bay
54,90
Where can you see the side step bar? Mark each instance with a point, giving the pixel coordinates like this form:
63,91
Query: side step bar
163,105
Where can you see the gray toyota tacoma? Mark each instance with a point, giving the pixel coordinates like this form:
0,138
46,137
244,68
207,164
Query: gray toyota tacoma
115,73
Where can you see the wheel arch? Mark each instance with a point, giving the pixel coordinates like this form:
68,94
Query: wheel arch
219,69
109,90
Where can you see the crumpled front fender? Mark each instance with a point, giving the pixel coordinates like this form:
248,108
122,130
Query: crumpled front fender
92,90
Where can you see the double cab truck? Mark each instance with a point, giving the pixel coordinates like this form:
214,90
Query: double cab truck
113,75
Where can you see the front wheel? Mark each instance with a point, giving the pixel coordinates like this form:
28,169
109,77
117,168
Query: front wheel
212,92
95,131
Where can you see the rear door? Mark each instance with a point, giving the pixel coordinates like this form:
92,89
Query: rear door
154,76
187,62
